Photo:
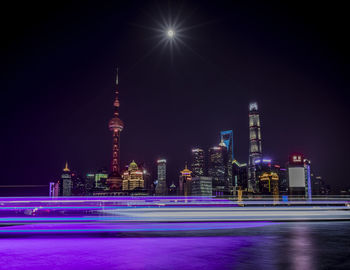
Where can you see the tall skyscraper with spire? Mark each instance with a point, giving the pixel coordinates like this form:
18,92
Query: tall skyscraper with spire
255,149
66,182
116,125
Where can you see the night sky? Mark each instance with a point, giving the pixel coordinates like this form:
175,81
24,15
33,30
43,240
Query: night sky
58,84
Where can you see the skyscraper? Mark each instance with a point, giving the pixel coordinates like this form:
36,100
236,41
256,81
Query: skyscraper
116,125
308,184
185,182
299,175
67,183
161,188
255,149
89,183
201,186
282,179
239,172
217,168
227,139
101,177
54,189
79,187
198,162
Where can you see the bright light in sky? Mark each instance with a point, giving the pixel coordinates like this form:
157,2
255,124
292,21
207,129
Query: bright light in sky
171,33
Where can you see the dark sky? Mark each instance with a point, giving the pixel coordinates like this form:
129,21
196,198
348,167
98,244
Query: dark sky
59,70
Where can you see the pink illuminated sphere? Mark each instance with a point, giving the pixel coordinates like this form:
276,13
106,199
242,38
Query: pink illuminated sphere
115,124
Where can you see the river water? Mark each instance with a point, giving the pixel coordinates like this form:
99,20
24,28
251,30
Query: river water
289,245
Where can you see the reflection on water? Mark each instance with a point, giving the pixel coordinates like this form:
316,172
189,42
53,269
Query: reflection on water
302,247
323,245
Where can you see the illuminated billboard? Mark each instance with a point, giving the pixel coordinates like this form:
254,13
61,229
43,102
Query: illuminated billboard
296,159
296,176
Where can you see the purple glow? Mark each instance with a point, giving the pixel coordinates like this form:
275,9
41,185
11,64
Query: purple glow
309,194
128,227
125,253
163,209
54,219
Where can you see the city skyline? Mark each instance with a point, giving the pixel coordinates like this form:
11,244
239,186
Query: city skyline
216,171
174,135
71,104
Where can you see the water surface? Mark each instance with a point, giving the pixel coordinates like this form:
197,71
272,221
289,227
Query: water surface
299,245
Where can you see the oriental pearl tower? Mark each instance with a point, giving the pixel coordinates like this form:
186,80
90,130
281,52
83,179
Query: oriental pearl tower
116,125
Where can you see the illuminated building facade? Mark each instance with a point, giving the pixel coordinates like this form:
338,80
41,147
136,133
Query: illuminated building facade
201,186
255,148
116,125
308,184
89,183
268,183
185,182
101,179
54,189
227,139
67,183
79,185
198,162
268,175
262,165
161,187
133,178
299,176
217,169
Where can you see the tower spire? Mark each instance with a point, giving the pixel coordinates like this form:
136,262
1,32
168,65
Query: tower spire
116,125
66,169
116,101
